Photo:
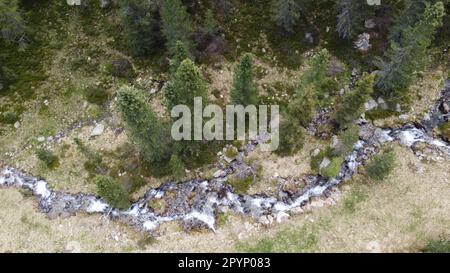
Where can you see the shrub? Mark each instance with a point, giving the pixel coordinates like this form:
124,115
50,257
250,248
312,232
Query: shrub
112,192
333,169
241,186
46,156
291,138
442,245
445,130
381,165
348,138
96,95
10,117
177,167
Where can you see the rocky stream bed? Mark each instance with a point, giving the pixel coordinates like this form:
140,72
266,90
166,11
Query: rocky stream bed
197,203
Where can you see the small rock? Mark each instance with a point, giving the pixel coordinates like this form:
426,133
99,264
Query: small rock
281,216
371,104
98,130
219,173
445,108
403,117
41,139
363,42
46,103
309,37
315,152
325,163
369,23
17,125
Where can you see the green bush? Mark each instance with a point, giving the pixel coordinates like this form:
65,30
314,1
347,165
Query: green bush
96,95
10,117
291,138
445,130
348,138
241,186
177,167
442,245
112,192
333,169
381,166
46,156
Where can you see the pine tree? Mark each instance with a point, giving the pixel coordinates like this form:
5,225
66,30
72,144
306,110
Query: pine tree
244,90
12,25
211,25
352,105
286,13
410,14
396,72
141,26
186,84
148,132
181,53
351,15
176,24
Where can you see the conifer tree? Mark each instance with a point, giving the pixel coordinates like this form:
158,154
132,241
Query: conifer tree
352,105
141,25
396,71
244,90
181,53
176,24
286,13
186,84
351,15
12,25
149,133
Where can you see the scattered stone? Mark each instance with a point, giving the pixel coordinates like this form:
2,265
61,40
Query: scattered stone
309,38
72,247
41,139
363,42
98,129
315,152
46,103
219,173
17,124
371,104
281,216
369,23
325,163
403,117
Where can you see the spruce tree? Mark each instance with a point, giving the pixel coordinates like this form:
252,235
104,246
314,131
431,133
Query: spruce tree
187,83
286,13
396,71
352,105
181,53
12,25
149,133
176,24
244,90
351,15
141,26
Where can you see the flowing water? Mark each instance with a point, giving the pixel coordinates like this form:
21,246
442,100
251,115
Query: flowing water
196,203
